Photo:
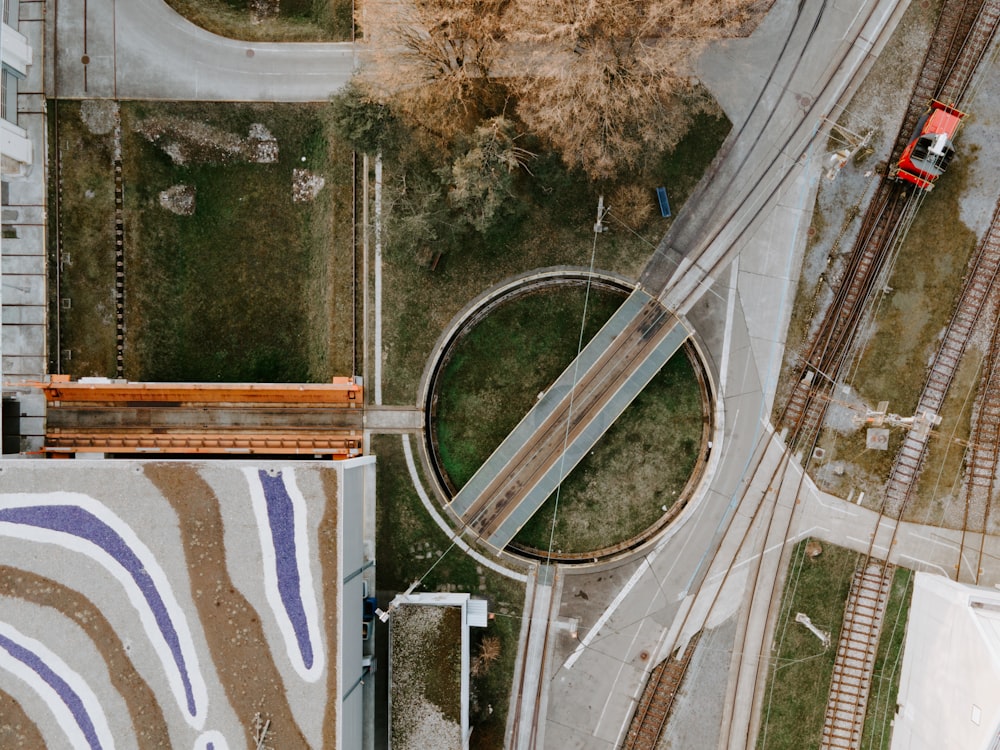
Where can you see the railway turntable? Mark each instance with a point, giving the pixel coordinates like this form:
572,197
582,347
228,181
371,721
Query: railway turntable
568,419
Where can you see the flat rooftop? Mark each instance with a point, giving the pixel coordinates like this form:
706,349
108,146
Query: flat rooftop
176,601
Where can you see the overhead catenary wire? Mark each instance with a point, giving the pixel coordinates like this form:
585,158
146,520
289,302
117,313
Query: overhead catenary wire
601,212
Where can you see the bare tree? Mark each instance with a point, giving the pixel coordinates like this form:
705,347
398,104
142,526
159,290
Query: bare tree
435,57
601,80
604,79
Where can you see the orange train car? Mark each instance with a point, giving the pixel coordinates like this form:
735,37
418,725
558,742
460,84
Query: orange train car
931,148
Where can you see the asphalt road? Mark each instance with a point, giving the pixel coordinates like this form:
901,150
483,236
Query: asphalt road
142,49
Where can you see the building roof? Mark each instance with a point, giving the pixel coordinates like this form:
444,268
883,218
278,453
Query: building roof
949,693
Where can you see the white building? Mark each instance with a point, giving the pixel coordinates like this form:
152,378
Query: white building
949,692
15,52
23,278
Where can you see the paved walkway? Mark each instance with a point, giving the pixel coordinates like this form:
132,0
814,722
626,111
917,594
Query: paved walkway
393,419
142,49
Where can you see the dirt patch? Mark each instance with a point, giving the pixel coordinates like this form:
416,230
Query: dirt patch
306,185
191,142
179,199
144,711
232,626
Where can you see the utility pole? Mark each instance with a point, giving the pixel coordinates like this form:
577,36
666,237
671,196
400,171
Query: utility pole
599,225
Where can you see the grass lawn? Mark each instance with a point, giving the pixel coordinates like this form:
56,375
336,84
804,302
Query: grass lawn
881,710
527,341
295,20
243,289
86,215
409,545
799,683
555,228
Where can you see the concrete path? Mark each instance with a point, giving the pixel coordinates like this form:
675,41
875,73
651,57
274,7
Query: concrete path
530,696
393,419
142,49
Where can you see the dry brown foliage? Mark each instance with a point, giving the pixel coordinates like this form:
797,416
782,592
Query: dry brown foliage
489,652
601,80
607,80
434,58
631,205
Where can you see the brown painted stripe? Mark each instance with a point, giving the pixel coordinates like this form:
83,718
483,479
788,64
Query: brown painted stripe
243,661
144,710
17,731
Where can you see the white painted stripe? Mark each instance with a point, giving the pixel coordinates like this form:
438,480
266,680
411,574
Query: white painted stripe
79,544
616,602
459,542
216,738
64,717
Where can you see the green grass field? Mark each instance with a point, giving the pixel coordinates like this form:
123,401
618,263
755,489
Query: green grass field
555,227
498,368
799,683
86,216
243,289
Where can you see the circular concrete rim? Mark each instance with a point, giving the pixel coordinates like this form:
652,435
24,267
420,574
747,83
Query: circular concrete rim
693,491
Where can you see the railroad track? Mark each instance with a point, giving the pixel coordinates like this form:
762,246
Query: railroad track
964,33
852,671
978,289
983,453
119,183
657,699
961,39
889,216
523,733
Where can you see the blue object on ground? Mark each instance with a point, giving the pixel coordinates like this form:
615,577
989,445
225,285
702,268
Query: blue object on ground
661,196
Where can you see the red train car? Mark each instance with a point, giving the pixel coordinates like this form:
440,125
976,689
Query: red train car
931,150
